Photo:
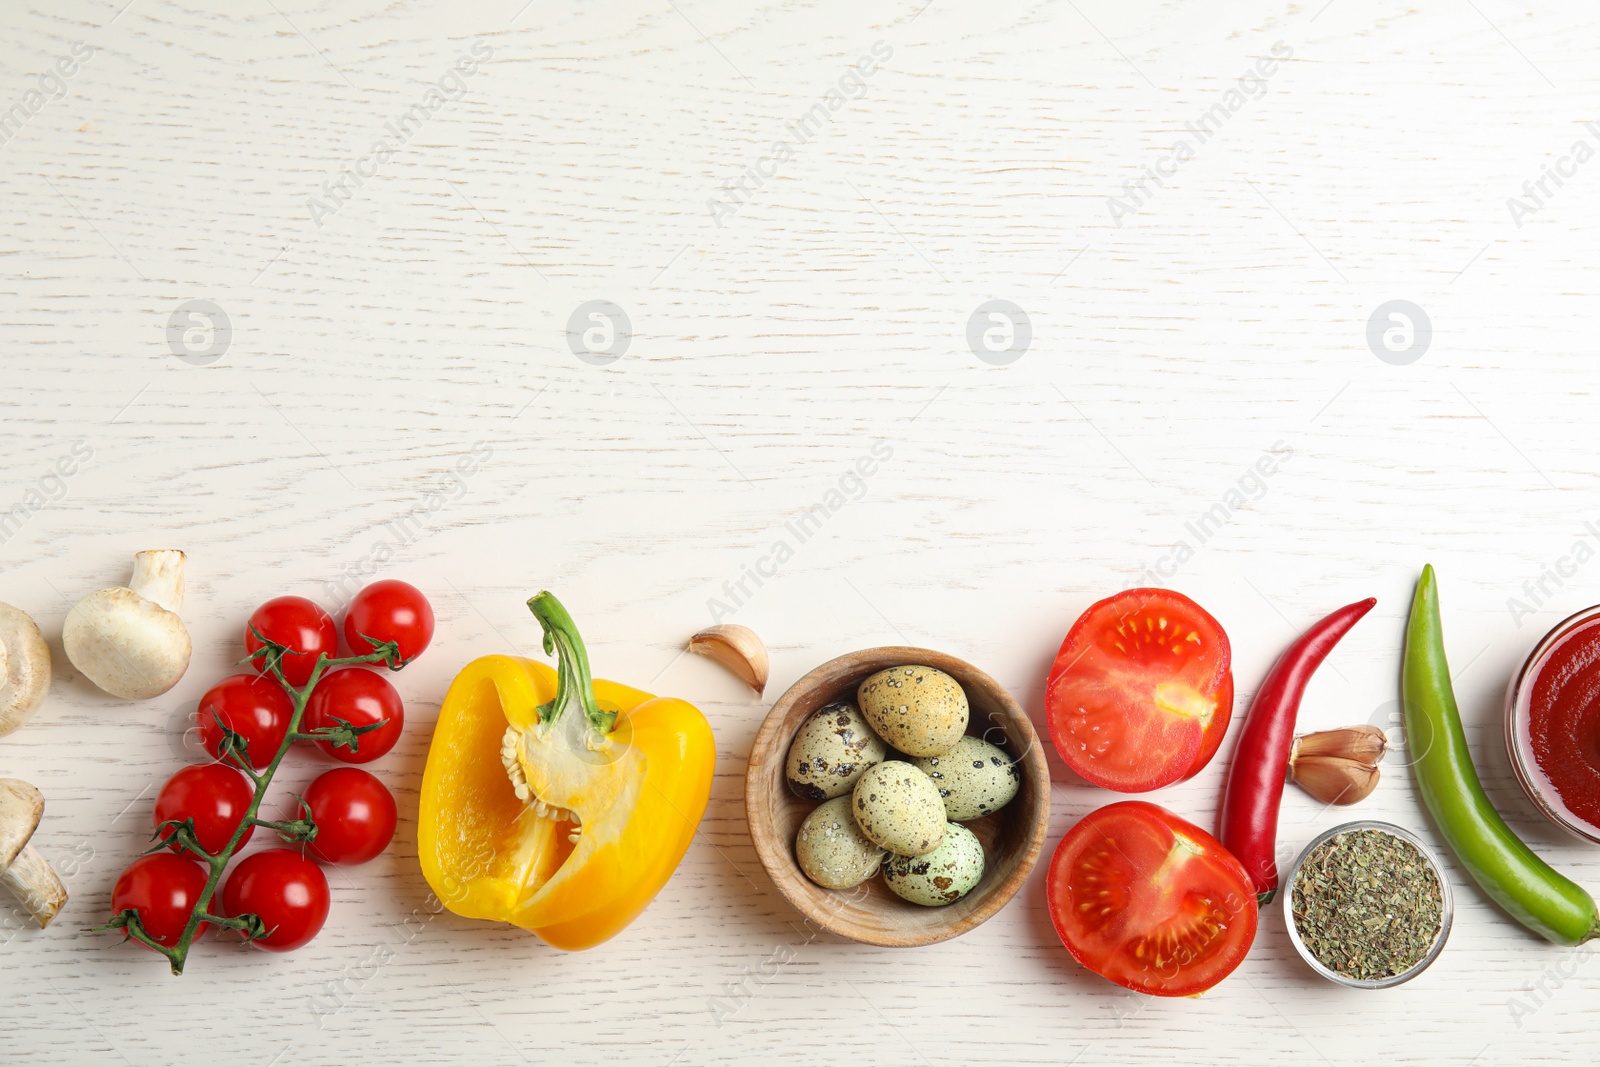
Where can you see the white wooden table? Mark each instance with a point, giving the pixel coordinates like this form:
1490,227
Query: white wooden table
798,273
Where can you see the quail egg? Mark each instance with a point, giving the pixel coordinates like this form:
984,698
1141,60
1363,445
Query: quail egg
918,710
831,750
944,875
899,808
832,850
975,778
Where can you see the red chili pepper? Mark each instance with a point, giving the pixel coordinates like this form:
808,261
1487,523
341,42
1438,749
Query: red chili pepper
1248,822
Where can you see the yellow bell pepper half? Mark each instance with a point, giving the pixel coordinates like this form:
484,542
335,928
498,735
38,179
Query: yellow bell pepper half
555,802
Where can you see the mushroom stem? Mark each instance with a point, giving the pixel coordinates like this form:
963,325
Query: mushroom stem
158,577
22,870
33,882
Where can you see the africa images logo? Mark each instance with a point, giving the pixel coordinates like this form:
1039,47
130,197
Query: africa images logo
1252,84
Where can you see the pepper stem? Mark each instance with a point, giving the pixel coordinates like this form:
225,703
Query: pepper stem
573,681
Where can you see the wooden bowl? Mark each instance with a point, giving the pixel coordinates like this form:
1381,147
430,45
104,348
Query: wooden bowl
1012,837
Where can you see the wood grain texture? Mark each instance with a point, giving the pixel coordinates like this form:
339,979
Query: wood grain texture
423,325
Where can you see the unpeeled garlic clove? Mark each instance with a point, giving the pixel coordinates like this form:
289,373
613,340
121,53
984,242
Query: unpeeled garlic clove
1334,779
736,648
1364,744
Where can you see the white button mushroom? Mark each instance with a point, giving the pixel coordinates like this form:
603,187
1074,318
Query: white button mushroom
24,668
22,870
130,641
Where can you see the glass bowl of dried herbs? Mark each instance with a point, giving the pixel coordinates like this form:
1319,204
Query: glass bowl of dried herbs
1368,905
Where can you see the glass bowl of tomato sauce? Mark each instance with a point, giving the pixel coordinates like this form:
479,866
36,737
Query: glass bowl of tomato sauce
1553,724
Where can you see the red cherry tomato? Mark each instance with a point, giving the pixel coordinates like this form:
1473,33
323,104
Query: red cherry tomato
297,624
1141,692
355,816
359,697
1150,901
163,889
254,707
215,796
389,610
288,892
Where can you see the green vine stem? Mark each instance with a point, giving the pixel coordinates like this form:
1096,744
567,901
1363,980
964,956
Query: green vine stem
232,751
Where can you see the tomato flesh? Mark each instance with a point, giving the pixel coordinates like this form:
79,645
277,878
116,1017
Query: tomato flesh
1215,730
1141,692
1150,901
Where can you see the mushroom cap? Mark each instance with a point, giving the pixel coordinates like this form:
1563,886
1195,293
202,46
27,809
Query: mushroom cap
24,668
21,805
129,646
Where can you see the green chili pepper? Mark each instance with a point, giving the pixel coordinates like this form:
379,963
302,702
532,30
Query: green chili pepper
1524,885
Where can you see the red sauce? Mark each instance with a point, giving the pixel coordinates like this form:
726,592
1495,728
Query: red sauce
1564,720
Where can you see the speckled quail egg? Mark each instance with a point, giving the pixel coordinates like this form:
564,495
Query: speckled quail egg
831,750
944,875
899,807
918,710
832,850
975,778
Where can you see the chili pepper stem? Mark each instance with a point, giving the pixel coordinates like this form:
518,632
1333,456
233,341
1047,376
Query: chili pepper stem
574,684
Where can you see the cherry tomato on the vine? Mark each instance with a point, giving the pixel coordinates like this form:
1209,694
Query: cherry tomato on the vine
288,892
300,626
355,816
215,796
389,610
163,889
359,697
254,707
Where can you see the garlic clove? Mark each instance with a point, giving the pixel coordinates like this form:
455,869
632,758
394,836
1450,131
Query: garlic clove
1364,744
736,648
1334,779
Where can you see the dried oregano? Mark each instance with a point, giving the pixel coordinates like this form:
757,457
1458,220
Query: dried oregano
1367,904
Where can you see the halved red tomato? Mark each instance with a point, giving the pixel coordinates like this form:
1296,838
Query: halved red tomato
1150,901
1141,692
